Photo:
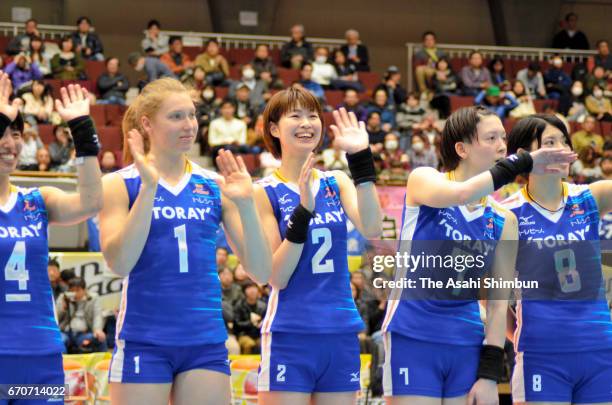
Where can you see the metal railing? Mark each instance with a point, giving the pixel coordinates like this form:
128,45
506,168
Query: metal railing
505,52
46,31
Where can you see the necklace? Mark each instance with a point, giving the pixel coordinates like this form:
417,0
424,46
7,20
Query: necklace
543,207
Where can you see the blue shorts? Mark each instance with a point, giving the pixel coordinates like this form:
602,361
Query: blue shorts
576,377
418,368
134,362
43,369
295,362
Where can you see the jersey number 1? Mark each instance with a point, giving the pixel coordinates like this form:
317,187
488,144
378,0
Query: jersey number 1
180,232
15,270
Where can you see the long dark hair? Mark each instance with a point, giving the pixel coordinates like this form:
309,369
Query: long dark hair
530,129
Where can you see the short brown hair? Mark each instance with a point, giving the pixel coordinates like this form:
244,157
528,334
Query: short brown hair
460,127
282,102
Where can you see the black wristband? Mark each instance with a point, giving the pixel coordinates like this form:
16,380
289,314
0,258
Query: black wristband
506,170
361,166
491,365
297,227
85,137
4,124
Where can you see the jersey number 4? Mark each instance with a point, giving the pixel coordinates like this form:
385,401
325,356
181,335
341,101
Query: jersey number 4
15,270
318,265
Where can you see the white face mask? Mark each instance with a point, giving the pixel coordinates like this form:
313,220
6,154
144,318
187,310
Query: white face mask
208,94
577,91
248,74
391,145
321,59
418,146
598,93
557,63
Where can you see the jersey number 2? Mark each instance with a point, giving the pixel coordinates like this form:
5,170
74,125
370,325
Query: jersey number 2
15,270
318,265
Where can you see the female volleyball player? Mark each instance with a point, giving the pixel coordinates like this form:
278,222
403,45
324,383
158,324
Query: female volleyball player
30,342
434,350
563,337
310,349
158,228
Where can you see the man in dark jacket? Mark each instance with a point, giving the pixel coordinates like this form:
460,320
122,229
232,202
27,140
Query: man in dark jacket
297,51
112,85
570,37
355,52
248,316
86,42
21,43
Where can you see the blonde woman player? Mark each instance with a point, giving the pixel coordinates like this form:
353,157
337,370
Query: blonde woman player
158,230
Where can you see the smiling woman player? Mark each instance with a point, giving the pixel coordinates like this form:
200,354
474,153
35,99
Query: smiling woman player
310,349
158,229
30,343
563,339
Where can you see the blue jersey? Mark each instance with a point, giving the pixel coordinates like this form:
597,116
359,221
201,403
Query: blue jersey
317,298
27,312
568,311
172,296
449,321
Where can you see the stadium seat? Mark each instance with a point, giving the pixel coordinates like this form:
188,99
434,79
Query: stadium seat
328,118
56,85
98,113
94,69
457,102
606,128
240,56
192,51
540,103
288,76
111,138
251,162
235,72
369,80
334,97
114,114
45,132
221,92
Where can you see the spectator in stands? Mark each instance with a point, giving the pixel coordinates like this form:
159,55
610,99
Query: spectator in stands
240,276
365,342
249,314
21,71
426,60
570,37
262,62
577,111
152,66
221,257
376,134
196,80
31,144
112,84
297,51
382,106
230,291
1,62
207,108
351,103
256,87
67,65
179,62
43,160
596,77
494,100
393,86
306,81
87,42
323,72
587,137
550,108
394,161
498,73
347,74
355,52
532,79
603,57
38,104
233,348
525,105
606,167
409,114
108,162
80,319
53,270
154,42
422,153
227,131
60,147
599,105
334,158
586,169
474,76
244,109
21,42
445,84
557,81
215,65
36,53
